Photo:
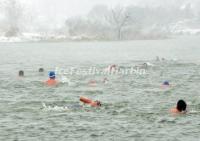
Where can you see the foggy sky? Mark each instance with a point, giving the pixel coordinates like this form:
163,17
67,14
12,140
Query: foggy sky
57,11
67,8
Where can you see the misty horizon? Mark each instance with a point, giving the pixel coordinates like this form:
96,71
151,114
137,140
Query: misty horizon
85,20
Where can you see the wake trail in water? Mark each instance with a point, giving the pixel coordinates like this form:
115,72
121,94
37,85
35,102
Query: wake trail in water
54,108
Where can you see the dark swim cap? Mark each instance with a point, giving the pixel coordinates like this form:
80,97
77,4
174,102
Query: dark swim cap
21,73
41,70
98,103
166,83
52,74
181,105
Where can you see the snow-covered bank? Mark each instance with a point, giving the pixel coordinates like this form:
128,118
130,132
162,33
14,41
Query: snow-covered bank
33,37
186,27
188,32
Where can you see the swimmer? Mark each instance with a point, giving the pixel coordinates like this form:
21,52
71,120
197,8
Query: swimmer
90,102
145,65
105,80
163,59
180,107
165,83
52,79
41,70
113,68
21,73
92,83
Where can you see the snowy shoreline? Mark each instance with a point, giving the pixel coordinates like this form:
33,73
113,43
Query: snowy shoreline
34,37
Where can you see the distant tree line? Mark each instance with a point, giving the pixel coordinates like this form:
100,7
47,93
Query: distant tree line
126,23
101,23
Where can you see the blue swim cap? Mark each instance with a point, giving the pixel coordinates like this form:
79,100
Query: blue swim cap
166,83
52,74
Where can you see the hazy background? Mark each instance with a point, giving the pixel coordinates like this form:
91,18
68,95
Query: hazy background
98,19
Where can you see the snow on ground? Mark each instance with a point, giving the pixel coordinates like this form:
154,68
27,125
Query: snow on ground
176,29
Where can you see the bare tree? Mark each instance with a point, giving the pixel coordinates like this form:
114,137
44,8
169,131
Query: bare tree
119,18
13,14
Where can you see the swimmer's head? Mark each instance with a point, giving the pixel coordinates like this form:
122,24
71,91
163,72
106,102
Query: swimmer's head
105,79
181,106
166,83
41,70
21,73
98,103
145,65
52,75
114,66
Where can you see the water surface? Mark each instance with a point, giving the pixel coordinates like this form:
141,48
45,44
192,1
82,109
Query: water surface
134,106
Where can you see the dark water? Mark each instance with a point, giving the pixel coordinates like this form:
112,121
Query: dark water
135,107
